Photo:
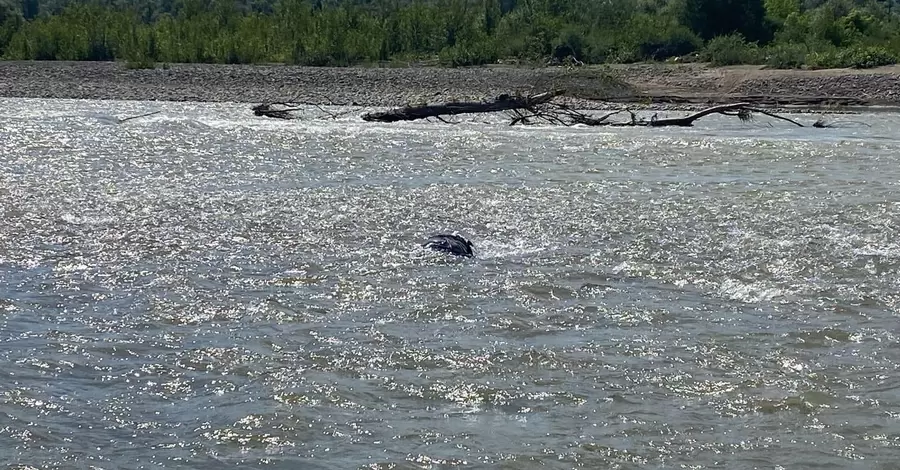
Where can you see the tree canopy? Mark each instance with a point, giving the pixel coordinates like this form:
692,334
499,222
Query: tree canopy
781,33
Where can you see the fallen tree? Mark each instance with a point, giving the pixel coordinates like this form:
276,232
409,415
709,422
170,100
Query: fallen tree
531,109
501,103
561,114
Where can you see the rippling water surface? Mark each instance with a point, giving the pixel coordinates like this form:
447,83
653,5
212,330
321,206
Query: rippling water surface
205,289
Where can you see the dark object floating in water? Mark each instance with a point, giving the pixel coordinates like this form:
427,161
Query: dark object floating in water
452,244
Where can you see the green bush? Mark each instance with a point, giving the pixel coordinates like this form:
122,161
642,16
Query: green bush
600,48
858,57
140,63
569,43
825,59
867,57
625,55
786,56
649,37
731,50
462,55
675,42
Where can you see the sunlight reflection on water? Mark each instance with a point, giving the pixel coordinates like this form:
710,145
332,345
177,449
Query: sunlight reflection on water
201,287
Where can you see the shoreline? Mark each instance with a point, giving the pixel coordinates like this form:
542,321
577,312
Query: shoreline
647,86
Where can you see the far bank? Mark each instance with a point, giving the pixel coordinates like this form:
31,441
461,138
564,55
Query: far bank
645,85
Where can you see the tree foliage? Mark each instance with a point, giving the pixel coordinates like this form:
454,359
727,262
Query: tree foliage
780,33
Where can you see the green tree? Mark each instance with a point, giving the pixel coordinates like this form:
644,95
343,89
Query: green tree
457,32
711,18
781,9
30,9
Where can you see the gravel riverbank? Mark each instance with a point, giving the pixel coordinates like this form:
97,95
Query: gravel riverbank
690,84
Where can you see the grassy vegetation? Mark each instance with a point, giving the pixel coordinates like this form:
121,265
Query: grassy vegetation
777,33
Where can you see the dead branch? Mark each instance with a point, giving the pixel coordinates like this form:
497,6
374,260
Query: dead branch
634,120
688,121
821,123
138,116
285,109
564,115
335,115
773,115
607,116
445,121
275,110
501,103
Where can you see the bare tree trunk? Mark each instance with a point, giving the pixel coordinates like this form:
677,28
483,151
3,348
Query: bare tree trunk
688,121
501,103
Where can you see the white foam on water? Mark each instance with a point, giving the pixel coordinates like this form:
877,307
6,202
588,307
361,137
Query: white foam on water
887,251
752,292
70,218
490,249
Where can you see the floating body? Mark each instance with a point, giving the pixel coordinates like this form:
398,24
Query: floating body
452,244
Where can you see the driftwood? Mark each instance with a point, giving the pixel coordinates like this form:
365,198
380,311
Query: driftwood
129,118
689,120
533,109
501,103
118,120
555,113
275,110
542,108
286,109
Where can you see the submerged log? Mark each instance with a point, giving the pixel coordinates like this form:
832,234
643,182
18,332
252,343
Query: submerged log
275,110
501,103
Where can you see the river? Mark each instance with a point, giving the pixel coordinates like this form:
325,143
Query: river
205,289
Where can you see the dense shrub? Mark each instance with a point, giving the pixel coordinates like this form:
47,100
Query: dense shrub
817,33
866,57
786,56
570,42
461,55
712,18
648,37
855,57
140,63
732,49
826,59
674,42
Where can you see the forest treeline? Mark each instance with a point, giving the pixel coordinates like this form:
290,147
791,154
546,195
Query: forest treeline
778,33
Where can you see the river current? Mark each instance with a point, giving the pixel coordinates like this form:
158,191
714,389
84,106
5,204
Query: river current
205,289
